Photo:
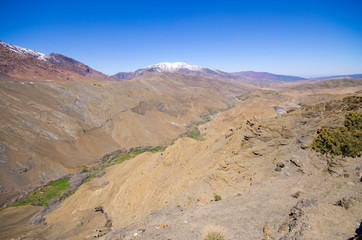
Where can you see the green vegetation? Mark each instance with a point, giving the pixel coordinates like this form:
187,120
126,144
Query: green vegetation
206,118
217,198
42,196
270,92
353,121
193,131
345,141
242,97
117,157
214,236
59,189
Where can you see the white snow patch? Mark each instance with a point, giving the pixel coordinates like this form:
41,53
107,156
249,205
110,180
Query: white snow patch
174,67
33,53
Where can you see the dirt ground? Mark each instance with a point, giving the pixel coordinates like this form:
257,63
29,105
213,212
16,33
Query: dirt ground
272,185
14,222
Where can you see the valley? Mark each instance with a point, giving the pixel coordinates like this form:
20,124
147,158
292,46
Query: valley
171,154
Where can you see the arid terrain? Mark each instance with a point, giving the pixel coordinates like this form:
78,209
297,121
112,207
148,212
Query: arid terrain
236,158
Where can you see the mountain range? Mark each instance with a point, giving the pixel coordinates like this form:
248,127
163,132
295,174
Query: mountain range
183,68
25,63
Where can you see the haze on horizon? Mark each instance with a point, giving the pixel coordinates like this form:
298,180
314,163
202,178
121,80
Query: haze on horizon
304,38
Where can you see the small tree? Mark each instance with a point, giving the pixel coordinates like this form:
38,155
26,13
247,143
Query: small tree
346,141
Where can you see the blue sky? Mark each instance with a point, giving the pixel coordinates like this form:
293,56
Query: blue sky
303,38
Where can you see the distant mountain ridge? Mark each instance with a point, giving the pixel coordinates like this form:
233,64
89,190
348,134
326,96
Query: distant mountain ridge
26,63
184,68
353,76
23,63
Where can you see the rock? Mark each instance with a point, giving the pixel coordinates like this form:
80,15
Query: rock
257,153
99,209
297,194
229,133
295,160
300,171
284,142
335,171
108,223
295,222
248,137
23,170
283,228
346,203
105,182
279,167
303,146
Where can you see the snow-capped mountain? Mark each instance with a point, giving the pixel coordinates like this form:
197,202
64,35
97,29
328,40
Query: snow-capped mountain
184,68
40,65
174,67
29,52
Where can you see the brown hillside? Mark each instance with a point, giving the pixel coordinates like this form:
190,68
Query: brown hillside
49,129
27,67
266,161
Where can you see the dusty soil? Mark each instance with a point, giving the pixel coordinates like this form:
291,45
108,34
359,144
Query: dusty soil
272,186
15,221
263,212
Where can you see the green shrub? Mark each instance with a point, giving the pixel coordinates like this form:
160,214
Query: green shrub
353,121
214,232
214,236
217,198
345,141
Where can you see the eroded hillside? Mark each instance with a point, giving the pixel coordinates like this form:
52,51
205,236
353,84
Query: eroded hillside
51,128
272,185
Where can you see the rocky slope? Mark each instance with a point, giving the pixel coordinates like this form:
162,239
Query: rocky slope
78,67
51,128
31,65
273,186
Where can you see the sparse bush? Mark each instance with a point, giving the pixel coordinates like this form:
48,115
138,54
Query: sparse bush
214,236
345,141
217,198
212,232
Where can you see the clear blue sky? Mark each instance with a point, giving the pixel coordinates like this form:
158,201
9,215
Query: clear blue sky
295,37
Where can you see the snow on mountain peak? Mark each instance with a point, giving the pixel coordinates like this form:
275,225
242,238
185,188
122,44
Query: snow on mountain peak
25,51
174,67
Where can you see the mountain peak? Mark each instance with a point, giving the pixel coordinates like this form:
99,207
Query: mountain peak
174,67
21,50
